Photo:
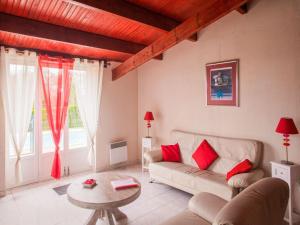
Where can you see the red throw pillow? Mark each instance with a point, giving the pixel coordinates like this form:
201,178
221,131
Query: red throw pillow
171,153
204,155
243,167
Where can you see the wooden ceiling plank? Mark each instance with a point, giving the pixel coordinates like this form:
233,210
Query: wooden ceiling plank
10,6
130,11
53,11
43,6
133,12
203,18
24,8
16,6
19,25
29,9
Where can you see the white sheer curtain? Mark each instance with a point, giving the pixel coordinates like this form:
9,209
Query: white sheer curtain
18,75
87,78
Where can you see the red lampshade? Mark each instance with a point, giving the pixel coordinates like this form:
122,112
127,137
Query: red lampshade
286,126
148,116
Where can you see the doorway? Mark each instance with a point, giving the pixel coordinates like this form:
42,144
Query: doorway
38,152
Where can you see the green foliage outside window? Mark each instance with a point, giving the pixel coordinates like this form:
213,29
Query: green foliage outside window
74,120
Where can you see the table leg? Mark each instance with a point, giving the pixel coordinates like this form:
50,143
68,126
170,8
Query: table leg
119,216
108,217
93,218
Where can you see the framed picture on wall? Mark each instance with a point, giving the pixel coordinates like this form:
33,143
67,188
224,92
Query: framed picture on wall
222,83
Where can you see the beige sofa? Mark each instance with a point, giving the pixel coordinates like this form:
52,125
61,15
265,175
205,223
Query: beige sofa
188,177
263,203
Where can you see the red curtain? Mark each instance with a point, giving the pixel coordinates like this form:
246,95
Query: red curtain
56,82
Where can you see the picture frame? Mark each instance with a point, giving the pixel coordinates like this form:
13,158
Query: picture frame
222,83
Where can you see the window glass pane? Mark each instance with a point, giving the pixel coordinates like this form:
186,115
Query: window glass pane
48,143
18,70
77,134
29,143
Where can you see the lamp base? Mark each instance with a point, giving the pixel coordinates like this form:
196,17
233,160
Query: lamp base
286,162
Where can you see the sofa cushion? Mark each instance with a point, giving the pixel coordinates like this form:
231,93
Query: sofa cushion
163,169
242,167
191,179
214,183
206,205
204,155
171,153
244,180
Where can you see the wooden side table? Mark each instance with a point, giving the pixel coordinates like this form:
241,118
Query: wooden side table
290,174
147,145
103,199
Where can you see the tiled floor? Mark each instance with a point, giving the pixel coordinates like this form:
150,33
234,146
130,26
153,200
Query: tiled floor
38,204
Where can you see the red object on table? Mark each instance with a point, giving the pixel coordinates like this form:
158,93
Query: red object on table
286,126
124,184
127,186
90,181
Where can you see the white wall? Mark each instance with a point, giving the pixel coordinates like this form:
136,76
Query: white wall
2,150
118,117
267,42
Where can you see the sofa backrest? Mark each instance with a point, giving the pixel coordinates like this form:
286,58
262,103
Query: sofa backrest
230,150
261,203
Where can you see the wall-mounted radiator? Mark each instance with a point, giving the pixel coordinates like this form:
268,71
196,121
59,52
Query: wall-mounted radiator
118,152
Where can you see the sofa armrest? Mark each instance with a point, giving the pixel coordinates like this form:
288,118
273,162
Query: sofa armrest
153,156
206,205
244,180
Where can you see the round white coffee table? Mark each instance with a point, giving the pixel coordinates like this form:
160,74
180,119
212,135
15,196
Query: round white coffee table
103,198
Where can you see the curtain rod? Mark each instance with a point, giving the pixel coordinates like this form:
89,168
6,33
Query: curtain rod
55,54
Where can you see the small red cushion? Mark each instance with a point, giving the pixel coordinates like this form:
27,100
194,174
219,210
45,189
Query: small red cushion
204,155
243,167
171,153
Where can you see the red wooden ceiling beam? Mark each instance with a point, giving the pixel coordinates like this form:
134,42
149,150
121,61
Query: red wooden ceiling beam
133,12
201,19
19,25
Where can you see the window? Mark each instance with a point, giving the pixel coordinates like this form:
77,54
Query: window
48,143
16,70
77,133
74,125
29,143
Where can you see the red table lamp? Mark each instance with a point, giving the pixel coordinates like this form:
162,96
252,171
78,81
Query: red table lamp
286,126
148,117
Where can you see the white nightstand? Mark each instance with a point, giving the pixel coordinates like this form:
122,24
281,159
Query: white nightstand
147,145
290,174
